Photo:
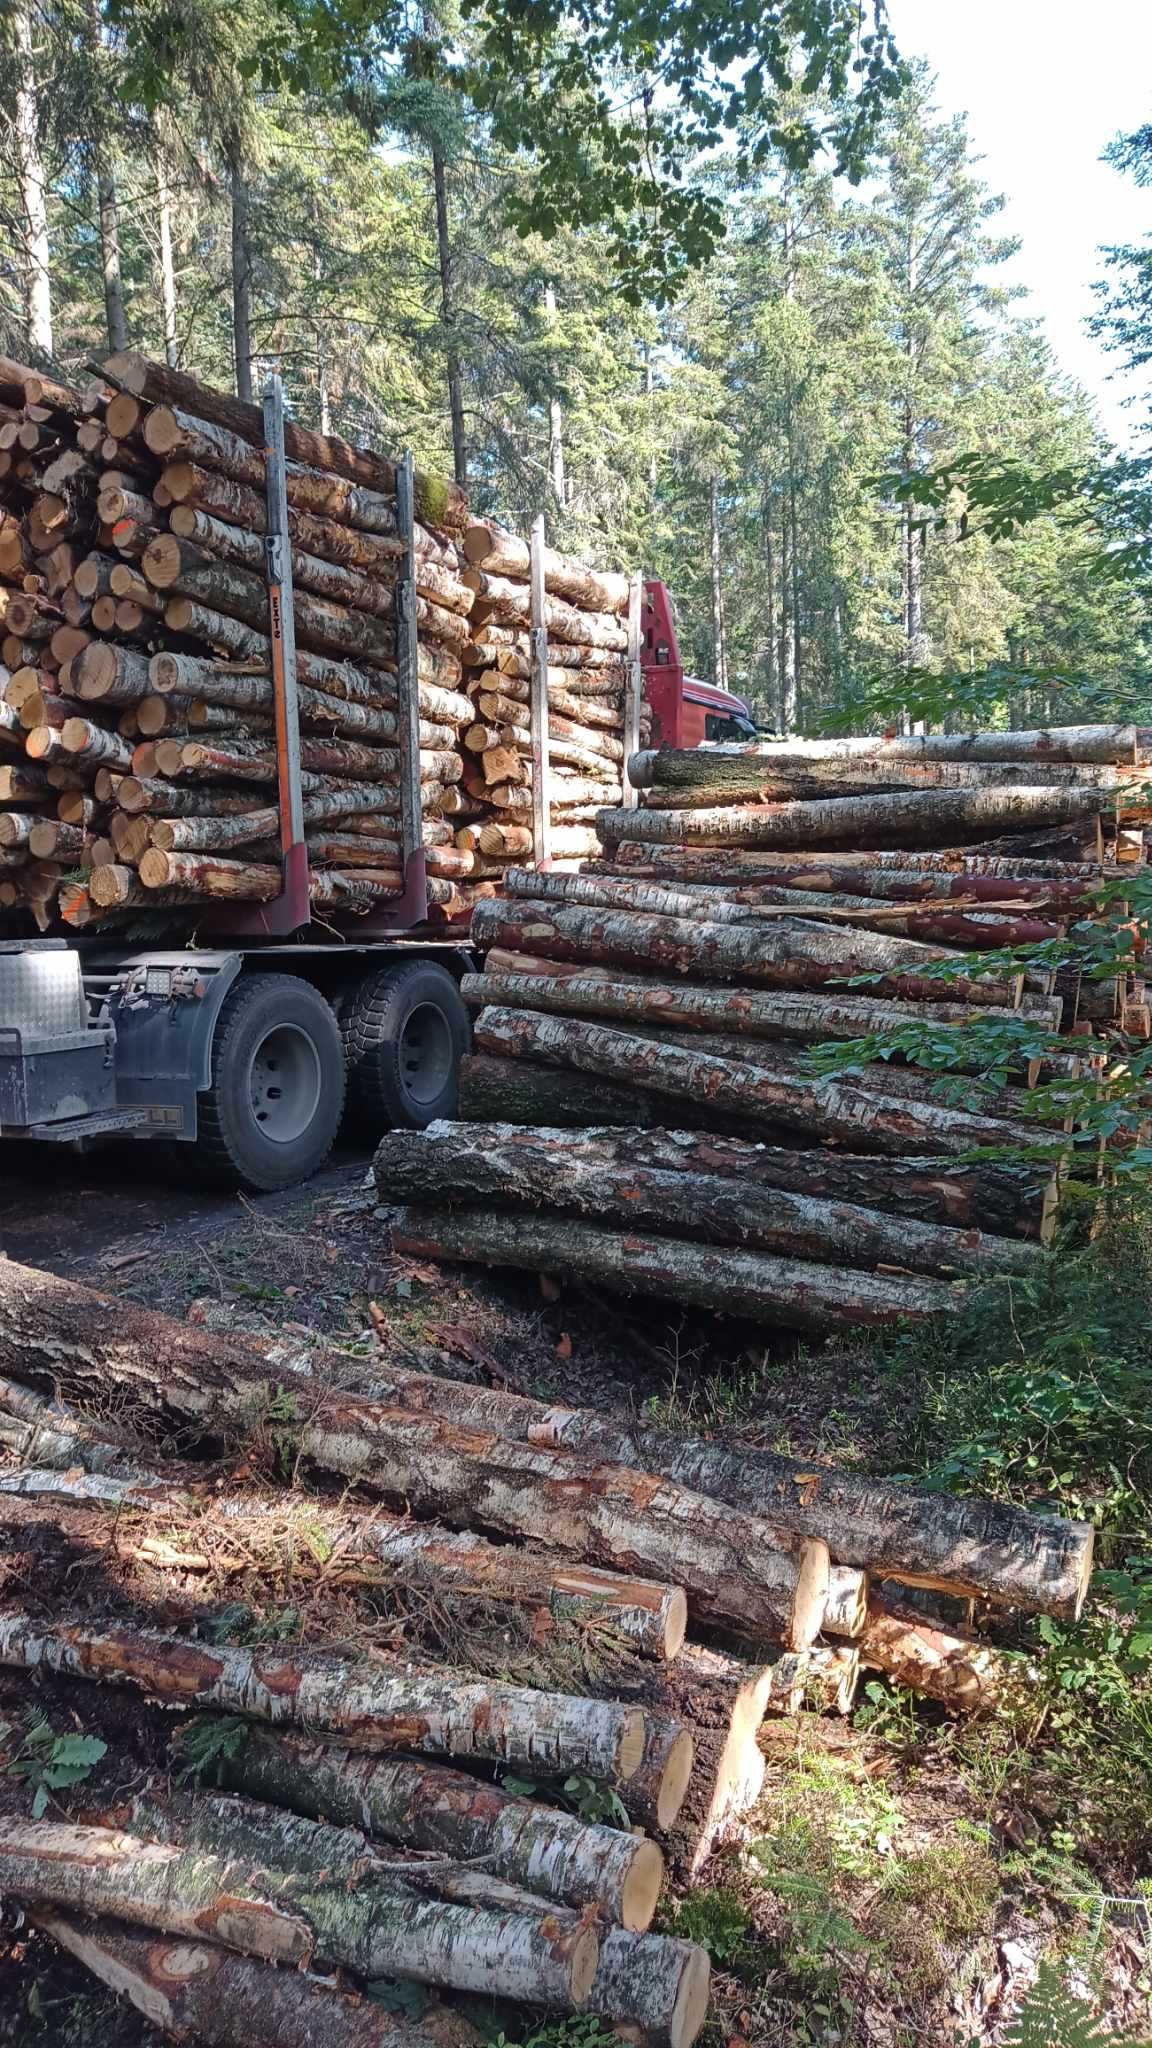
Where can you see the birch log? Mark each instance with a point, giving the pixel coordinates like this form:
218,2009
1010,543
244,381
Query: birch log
483,1164
796,1293
1103,743
288,1914
364,1704
424,1806
788,953
798,1018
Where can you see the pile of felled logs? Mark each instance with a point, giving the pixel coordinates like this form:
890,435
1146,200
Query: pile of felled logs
140,768
682,980
362,1827
584,613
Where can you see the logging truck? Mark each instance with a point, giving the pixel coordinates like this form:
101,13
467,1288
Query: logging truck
251,1041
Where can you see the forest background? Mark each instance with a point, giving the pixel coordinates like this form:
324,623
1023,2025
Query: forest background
735,421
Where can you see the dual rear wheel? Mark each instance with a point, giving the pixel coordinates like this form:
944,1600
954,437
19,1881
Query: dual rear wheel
287,1066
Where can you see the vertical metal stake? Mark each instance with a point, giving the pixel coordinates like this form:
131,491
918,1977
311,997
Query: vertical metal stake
538,706
408,670
633,684
282,632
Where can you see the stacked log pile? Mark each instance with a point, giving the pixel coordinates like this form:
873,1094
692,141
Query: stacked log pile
682,980
584,614
346,1813
141,766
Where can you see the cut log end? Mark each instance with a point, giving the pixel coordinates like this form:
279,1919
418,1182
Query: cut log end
641,1889
584,1955
675,1615
631,1748
691,2007
675,1780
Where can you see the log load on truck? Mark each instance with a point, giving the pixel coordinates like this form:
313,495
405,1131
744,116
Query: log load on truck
265,746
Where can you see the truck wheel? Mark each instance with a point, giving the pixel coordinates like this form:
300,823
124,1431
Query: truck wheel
405,1033
272,1112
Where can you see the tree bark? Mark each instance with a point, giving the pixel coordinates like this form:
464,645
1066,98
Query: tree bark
438,503
499,598
475,1164
494,1090
840,1112
107,674
197,1992
746,774
241,277
243,508
1118,744
908,817
785,954
80,736
448,318
173,564
1038,1562
795,1293
719,637
424,1806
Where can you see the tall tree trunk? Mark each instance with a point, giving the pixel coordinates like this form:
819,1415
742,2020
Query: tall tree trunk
241,278
719,639
555,415
649,390
794,522
33,190
106,200
448,316
167,263
771,665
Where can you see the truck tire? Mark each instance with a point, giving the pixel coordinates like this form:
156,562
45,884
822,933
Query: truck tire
405,1030
272,1112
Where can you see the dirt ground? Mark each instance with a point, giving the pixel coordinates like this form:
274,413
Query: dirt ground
902,1878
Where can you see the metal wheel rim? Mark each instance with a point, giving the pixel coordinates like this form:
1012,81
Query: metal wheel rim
284,1083
425,1053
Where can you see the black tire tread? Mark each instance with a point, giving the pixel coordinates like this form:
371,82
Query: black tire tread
214,1154
364,1017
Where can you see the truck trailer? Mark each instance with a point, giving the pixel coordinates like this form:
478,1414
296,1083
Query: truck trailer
249,1045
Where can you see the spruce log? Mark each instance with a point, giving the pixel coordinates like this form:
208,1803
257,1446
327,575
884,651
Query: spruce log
364,1703
961,1671
170,432
440,502
803,1018
288,1911
793,1293
505,1090
500,553
197,1992
425,1806
910,817
481,1164
1038,1562
173,564
839,1111
738,775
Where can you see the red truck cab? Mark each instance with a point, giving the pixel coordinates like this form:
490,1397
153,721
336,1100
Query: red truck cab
685,711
